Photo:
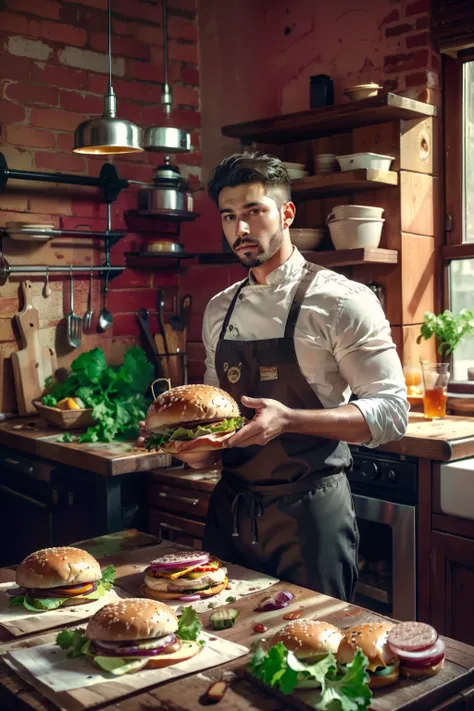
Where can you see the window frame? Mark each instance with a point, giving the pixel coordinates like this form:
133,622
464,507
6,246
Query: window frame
453,247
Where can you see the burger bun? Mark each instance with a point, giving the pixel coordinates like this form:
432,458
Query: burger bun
421,672
161,595
131,619
309,638
189,404
55,567
371,638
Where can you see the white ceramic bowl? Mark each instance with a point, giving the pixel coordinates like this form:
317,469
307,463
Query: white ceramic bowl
362,91
306,239
297,174
354,232
341,212
373,161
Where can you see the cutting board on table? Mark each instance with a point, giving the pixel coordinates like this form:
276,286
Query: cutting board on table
33,363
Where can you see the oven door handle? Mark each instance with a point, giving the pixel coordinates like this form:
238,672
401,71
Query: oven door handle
24,497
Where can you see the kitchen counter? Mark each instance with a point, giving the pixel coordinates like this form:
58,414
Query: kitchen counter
450,689
33,436
440,440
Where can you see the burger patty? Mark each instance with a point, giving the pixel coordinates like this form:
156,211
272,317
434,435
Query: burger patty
213,577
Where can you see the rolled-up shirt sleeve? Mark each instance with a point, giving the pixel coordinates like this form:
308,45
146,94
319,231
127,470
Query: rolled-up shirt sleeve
367,359
208,338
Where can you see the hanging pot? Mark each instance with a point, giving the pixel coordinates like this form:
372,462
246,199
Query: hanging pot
169,193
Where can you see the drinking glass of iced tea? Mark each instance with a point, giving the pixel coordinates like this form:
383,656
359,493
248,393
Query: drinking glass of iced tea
435,395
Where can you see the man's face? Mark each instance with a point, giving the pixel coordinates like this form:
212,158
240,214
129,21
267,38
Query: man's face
252,222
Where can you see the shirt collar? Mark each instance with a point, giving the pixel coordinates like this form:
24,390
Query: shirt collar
285,271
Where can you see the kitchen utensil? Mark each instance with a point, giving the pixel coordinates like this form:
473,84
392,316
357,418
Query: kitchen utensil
167,247
371,161
33,363
169,191
362,91
105,317
160,346
355,232
321,91
178,321
160,314
47,288
74,323
176,350
89,312
64,419
341,212
145,326
324,163
307,239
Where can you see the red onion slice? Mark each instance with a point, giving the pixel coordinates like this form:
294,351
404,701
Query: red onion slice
109,649
422,655
179,560
284,596
268,604
189,598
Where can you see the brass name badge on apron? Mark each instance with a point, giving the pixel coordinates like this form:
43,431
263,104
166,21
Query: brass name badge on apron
233,372
268,373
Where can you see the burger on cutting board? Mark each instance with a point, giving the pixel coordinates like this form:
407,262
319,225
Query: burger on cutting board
134,634
60,577
186,576
192,418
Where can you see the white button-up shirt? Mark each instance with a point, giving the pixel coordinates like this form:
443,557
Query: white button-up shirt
343,341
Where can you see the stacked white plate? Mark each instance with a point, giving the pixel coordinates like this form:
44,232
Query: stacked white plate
25,231
371,161
324,163
307,239
296,170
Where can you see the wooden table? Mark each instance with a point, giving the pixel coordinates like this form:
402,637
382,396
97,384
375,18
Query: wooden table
440,440
129,546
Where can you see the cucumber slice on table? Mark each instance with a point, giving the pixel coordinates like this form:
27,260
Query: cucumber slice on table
222,619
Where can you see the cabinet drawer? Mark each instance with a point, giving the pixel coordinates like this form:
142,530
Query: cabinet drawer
181,501
169,526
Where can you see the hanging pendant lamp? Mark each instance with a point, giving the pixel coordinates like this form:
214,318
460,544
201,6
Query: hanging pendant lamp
167,138
108,134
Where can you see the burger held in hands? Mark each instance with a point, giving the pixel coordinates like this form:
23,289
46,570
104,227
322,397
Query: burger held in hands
134,634
60,577
185,576
192,418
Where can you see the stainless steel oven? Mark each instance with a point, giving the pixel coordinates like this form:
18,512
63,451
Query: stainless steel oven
385,492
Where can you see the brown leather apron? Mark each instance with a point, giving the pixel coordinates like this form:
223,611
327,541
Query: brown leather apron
284,509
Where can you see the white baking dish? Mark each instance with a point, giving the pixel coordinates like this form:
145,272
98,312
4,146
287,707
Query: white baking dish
341,212
372,161
354,232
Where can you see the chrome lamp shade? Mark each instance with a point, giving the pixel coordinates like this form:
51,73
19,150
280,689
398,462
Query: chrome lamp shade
107,135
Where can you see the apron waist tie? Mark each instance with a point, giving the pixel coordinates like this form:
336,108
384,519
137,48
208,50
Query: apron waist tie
252,500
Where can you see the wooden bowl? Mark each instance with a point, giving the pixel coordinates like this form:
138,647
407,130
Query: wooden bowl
65,419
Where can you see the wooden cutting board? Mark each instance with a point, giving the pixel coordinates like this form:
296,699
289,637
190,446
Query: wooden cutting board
173,365
33,363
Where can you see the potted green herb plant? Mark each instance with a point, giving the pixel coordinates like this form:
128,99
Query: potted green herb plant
448,328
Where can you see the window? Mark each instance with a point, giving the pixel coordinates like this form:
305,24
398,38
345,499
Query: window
459,183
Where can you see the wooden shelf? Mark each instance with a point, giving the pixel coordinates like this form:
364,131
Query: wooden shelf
351,181
330,120
330,258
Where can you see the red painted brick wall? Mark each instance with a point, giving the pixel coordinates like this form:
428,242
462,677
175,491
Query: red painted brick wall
52,76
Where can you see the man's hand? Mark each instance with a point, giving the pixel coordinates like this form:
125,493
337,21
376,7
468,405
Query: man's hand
270,420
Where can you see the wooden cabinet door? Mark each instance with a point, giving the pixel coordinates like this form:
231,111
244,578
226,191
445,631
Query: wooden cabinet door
452,586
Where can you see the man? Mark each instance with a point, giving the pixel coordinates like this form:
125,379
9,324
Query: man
290,343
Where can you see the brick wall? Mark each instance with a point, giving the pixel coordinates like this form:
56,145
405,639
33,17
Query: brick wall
53,68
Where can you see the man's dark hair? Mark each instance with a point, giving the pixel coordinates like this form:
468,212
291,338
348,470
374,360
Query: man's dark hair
248,167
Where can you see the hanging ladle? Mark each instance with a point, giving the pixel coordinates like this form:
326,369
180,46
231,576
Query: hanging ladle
47,288
105,317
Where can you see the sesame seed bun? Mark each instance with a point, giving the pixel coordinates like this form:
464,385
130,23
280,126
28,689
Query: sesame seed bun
54,567
371,638
188,404
309,638
131,619
162,595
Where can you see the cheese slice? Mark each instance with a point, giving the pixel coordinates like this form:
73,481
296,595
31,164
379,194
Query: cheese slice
174,576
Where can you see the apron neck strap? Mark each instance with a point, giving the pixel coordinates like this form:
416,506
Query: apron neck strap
230,310
295,308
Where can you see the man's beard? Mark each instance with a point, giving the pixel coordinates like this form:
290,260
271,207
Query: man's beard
249,260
